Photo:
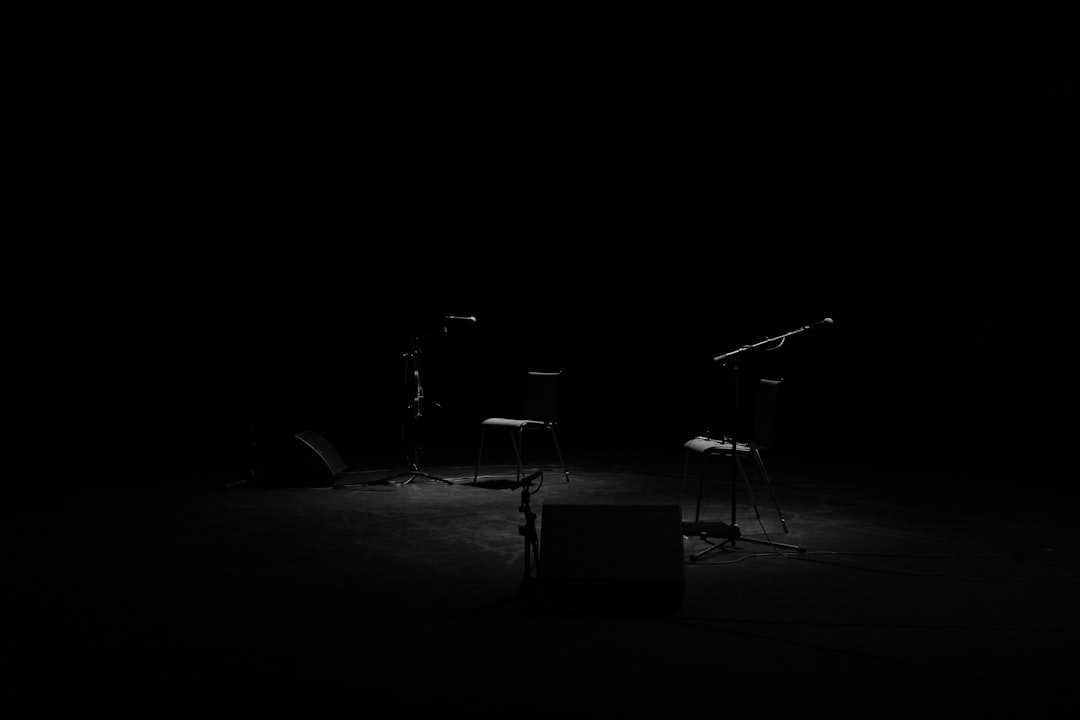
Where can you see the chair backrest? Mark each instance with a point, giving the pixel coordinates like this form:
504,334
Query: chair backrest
765,413
542,397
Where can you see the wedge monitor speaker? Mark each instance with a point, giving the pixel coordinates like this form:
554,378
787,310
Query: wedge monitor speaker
306,459
612,558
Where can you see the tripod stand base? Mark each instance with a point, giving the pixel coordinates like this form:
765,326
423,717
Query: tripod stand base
728,535
411,474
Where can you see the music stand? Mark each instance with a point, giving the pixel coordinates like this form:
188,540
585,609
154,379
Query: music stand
729,534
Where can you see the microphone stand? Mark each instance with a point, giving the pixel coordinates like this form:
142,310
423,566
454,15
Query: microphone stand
412,360
729,534
410,425
528,531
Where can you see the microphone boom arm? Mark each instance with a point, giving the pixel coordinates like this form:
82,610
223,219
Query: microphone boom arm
728,356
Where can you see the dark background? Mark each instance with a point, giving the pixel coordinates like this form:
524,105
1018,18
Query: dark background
241,216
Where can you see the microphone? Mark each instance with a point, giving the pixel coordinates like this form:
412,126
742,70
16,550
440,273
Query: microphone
459,317
826,323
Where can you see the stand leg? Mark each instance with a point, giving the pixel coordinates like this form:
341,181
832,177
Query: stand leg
412,473
797,548
732,535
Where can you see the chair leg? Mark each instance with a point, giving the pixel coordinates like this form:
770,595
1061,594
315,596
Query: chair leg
685,470
479,454
749,488
700,490
517,437
558,452
768,483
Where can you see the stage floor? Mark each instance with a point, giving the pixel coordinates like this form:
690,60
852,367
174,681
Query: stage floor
911,588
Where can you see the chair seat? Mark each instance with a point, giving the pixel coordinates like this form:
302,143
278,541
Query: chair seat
708,445
512,422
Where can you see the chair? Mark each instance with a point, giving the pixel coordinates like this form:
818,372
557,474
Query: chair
762,438
539,411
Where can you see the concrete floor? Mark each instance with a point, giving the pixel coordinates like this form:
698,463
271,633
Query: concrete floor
913,588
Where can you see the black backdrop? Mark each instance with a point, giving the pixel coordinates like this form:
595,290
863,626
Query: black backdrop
245,215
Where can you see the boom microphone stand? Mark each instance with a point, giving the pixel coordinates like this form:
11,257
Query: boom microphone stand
410,425
730,534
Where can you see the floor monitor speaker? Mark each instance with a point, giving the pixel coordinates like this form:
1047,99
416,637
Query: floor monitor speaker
612,558
306,459
326,452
